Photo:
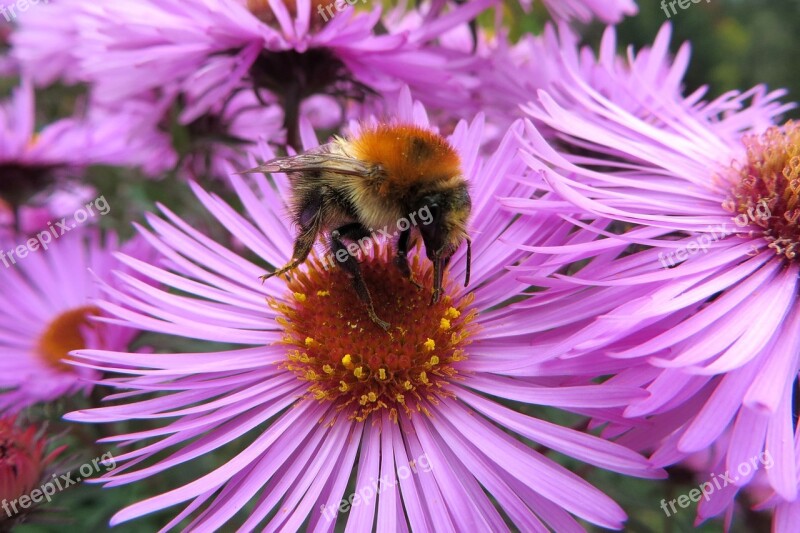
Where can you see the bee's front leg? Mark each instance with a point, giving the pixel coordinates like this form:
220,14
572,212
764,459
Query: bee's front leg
354,232
401,257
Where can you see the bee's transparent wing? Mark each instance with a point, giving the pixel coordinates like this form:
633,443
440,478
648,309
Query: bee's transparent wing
320,159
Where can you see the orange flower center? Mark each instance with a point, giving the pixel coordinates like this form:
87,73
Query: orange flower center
767,190
64,334
349,360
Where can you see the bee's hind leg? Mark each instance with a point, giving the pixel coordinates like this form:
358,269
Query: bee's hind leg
302,248
401,257
309,220
353,232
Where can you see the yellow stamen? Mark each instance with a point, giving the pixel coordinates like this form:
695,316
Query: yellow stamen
347,361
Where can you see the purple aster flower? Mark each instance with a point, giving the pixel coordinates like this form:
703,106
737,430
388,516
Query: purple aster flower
695,272
43,45
31,159
608,11
47,310
211,49
223,138
316,391
209,144
47,206
555,58
8,66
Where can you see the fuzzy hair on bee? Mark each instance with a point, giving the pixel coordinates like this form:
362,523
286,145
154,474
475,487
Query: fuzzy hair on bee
351,185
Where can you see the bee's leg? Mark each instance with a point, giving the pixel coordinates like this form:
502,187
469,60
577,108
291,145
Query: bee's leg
309,220
353,232
401,259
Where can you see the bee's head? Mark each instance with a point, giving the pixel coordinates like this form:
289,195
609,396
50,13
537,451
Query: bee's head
443,217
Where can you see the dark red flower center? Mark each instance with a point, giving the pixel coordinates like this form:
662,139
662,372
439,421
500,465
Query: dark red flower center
767,190
349,360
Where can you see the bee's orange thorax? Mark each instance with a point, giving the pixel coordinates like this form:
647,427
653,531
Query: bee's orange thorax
408,155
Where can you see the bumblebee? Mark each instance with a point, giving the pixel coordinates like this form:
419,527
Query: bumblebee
348,187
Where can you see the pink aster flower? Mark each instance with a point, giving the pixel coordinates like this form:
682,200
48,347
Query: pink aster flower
8,66
48,206
209,144
607,11
209,50
315,390
696,272
222,139
40,37
30,158
47,310
555,58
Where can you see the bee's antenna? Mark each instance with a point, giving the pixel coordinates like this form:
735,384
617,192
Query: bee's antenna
469,261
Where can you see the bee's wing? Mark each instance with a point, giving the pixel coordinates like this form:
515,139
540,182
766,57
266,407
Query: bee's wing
318,160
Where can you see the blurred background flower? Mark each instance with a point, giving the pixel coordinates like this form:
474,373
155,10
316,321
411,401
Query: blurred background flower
48,309
27,458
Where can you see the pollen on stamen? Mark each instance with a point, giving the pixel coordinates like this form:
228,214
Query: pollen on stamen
452,312
355,364
766,188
